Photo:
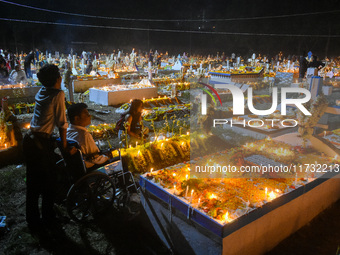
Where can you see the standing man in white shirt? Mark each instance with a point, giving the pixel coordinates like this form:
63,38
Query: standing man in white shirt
39,146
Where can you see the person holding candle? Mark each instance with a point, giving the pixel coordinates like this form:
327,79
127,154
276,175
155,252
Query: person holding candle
39,148
133,119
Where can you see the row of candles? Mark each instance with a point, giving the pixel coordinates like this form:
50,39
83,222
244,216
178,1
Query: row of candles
161,138
227,217
13,86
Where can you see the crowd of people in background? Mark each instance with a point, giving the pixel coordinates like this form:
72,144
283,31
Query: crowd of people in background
16,68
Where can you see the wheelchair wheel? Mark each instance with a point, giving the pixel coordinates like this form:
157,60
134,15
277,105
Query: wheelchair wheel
89,196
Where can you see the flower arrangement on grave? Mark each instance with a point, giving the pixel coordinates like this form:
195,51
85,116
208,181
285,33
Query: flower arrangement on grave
157,154
181,86
157,112
151,102
280,152
165,81
226,199
102,130
222,199
21,108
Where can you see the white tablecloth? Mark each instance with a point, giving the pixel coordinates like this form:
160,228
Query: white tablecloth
119,97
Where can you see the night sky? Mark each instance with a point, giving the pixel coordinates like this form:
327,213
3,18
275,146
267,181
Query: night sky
23,36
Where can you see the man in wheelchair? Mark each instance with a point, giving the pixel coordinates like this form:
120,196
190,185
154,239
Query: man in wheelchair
80,118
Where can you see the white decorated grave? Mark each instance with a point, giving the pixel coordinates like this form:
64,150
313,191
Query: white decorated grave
119,94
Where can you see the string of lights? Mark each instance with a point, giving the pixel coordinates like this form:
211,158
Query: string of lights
169,20
163,30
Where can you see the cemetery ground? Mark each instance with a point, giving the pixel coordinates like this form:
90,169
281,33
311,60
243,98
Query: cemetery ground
110,235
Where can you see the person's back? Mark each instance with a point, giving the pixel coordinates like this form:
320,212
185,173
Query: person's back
27,64
316,63
39,147
29,58
303,66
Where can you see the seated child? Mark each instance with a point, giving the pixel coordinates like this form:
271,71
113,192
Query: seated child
80,118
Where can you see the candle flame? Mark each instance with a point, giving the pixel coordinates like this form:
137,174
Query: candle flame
272,196
226,217
212,196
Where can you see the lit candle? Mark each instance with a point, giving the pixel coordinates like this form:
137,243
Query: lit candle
272,196
324,133
136,144
226,217
186,191
266,192
192,192
151,170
